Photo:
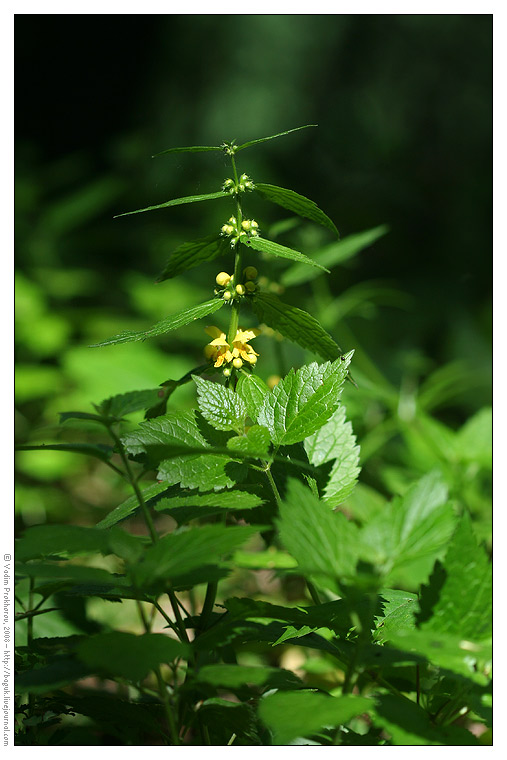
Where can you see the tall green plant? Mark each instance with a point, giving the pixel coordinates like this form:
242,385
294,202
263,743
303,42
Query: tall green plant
254,478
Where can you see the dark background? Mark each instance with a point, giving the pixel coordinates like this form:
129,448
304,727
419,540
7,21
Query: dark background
404,108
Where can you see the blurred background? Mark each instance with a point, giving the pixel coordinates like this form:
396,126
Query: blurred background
403,147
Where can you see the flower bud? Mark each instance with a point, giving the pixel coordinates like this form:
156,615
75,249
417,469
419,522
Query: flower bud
250,286
227,372
222,279
227,296
254,224
246,224
250,273
232,220
237,363
240,289
252,359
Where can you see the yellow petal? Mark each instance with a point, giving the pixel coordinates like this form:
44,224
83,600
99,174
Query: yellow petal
214,332
246,335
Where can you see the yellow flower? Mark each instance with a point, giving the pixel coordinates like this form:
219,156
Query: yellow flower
220,352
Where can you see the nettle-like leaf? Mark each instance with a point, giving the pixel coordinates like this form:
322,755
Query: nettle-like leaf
406,538
190,149
474,441
126,403
97,450
275,249
192,254
335,441
192,470
129,656
399,609
294,202
177,555
295,324
237,499
172,322
325,544
178,202
252,389
458,599
303,401
332,255
47,540
290,715
220,406
256,441
228,676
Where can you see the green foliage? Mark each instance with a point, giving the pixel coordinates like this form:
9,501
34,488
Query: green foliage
256,593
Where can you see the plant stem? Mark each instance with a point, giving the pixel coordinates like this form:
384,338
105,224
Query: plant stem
238,265
177,614
313,592
276,493
209,601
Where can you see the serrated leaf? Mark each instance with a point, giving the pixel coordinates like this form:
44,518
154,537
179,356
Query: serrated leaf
459,598
237,499
272,137
47,540
56,674
252,389
332,255
178,202
97,450
303,713
194,253
223,408
126,403
256,441
192,470
275,249
228,676
399,609
294,202
291,632
295,324
66,571
336,441
191,149
127,655
324,543
266,560
412,532
172,322
474,441
176,555
303,401
131,505
64,416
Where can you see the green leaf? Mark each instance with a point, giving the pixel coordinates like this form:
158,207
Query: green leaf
295,325
193,470
58,673
66,571
126,403
47,540
266,560
412,532
178,202
191,149
272,137
131,505
176,555
64,416
475,439
223,408
294,202
194,253
172,322
303,401
303,713
324,543
97,450
256,441
252,389
332,255
399,609
336,441
408,724
275,249
234,676
459,597
127,655
237,499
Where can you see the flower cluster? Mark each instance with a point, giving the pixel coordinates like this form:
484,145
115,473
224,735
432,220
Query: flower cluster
245,183
229,290
247,228
220,352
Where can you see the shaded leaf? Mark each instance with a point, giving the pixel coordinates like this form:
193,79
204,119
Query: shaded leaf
275,249
131,505
191,149
190,255
255,442
272,137
97,450
233,676
294,202
47,540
